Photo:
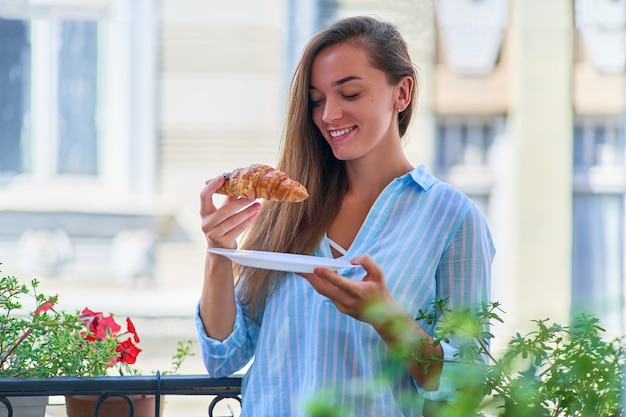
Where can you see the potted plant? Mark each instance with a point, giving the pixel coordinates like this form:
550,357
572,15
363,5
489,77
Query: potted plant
102,327
45,342
38,344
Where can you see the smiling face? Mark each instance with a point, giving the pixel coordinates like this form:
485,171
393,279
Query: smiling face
353,104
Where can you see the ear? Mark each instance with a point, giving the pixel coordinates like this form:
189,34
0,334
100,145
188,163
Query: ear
403,91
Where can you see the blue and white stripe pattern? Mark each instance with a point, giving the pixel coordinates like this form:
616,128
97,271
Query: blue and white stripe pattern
431,241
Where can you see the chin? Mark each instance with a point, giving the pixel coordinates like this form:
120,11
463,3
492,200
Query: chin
341,156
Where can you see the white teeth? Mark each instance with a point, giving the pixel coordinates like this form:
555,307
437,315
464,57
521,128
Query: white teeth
337,133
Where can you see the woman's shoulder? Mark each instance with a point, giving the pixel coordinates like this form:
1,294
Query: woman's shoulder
439,196
429,183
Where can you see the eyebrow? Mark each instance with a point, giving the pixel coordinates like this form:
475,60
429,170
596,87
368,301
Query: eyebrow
339,82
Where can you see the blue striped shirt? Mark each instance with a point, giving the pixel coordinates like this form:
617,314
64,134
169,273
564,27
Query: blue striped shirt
431,241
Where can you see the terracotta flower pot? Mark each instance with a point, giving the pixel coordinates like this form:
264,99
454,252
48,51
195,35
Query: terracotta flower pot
84,406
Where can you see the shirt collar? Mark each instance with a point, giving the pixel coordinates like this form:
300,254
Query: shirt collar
422,177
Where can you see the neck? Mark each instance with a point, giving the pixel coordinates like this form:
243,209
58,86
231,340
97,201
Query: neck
368,178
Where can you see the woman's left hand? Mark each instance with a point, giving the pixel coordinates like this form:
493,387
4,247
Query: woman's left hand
350,296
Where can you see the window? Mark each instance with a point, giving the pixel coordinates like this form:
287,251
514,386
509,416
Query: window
598,217
15,85
76,98
462,154
57,60
80,101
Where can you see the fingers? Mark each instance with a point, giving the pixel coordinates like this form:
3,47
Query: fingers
351,296
215,183
233,210
222,230
344,302
321,284
374,271
223,225
206,195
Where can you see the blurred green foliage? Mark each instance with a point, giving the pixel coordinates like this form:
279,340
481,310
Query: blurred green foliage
551,371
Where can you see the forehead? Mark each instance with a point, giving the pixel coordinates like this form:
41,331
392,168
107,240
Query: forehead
339,61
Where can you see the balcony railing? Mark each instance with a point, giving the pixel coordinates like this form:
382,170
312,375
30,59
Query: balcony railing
122,386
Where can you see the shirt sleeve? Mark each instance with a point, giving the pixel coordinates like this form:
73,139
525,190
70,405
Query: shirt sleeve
233,353
450,372
464,279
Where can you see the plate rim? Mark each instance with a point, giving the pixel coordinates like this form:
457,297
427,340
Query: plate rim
330,263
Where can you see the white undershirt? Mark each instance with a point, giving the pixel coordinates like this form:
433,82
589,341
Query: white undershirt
336,246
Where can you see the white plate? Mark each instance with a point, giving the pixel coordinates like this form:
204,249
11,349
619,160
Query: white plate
280,261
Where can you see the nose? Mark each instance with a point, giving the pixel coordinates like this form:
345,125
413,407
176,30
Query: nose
332,111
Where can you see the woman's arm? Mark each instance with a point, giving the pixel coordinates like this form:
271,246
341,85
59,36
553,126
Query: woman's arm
221,227
400,331
217,303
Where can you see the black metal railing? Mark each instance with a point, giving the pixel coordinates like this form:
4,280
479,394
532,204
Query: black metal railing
122,386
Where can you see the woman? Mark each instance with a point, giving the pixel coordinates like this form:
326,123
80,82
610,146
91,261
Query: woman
414,238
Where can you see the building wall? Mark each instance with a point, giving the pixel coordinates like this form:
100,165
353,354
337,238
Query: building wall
221,79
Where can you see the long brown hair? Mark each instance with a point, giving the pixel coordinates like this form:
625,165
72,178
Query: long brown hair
305,155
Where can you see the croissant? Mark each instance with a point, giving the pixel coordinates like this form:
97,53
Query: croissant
262,181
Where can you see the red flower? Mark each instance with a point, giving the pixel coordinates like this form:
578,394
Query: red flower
46,306
107,326
91,320
101,327
131,328
128,351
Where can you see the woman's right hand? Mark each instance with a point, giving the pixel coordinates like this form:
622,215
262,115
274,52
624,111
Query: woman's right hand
222,226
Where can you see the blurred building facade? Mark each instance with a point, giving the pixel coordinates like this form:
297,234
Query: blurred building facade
113,113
